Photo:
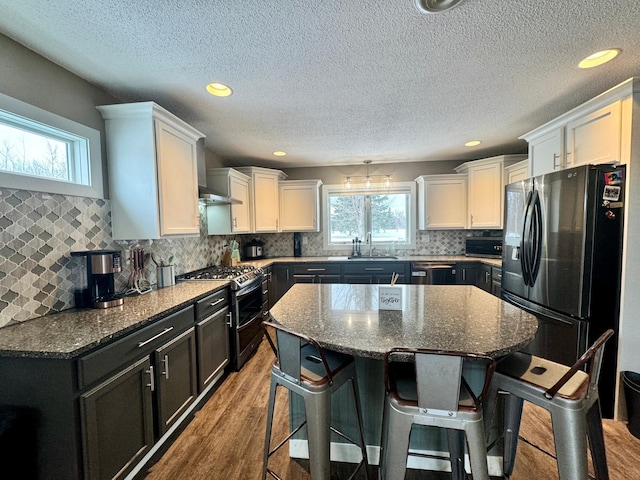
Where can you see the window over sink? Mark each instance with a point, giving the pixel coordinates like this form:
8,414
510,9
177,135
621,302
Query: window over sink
385,213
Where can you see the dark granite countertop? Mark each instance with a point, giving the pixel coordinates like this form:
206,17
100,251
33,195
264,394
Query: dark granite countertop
265,262
72,332
461,318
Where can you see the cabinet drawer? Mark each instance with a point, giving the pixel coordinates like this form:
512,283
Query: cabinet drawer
211,304
316,269
374,268
96,365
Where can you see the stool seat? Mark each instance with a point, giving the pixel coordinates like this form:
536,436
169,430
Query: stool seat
308,370
571,397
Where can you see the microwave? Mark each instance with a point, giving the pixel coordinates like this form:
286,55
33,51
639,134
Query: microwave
483,247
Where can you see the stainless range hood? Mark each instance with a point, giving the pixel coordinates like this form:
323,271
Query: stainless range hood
209,197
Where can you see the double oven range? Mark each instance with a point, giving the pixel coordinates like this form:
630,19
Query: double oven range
245,306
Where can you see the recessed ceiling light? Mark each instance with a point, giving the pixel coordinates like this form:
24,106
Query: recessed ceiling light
599,58
279,153
219,89
472,143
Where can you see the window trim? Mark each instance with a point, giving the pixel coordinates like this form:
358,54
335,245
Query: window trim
396,187
95,189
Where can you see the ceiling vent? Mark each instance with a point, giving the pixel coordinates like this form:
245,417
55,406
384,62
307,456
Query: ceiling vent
436,6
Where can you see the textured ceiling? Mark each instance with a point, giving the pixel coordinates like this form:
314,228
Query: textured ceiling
340,81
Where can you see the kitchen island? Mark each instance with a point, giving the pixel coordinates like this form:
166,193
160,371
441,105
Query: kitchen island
346,318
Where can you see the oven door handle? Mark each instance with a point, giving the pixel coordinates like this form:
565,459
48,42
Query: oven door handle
249,288
250,321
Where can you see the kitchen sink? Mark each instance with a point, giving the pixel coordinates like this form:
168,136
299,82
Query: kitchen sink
369,257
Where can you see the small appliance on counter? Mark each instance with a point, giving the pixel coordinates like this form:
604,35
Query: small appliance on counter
95,278
254,250
297,244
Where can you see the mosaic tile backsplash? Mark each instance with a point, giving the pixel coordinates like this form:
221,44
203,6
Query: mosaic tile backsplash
38,231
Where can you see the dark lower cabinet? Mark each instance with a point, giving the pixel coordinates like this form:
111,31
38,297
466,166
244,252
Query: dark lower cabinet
213,346
176,384
117,422
281,281
375,272
483,279
467,273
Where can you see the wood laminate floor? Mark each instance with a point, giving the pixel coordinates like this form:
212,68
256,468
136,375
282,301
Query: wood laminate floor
225,439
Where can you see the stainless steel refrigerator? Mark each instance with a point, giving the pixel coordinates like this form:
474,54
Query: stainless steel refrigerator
561,261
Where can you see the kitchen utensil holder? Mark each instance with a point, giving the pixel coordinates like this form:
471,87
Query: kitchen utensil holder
166,276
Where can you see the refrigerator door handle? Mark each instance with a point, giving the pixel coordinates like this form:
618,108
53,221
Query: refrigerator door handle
525,243
537,223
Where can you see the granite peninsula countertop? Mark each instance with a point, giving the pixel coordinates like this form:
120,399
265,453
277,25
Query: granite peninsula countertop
461,318
72,332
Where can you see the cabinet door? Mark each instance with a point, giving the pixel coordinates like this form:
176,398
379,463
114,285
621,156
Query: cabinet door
595,138
299,207
483,279
467,273
177,181
443,203
517,172
240,213
485,196
176,386
117,422
281,281
212,335
546,153
265,202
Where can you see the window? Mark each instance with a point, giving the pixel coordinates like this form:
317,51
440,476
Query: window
386,214
44,152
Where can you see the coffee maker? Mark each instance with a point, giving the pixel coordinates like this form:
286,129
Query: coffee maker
95,270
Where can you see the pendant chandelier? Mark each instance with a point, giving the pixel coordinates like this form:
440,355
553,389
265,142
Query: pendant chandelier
367,181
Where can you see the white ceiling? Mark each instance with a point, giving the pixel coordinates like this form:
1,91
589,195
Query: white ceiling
334,82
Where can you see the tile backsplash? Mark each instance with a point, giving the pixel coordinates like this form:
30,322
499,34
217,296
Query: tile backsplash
38,231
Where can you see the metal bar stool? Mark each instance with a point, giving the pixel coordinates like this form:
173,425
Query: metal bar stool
427,387
303,367
571,397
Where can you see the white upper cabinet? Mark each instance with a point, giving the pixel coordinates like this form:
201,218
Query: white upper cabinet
486,180
442,201
546,152
591,133
153,174
595,137
300,205
517,172
264,192
235,218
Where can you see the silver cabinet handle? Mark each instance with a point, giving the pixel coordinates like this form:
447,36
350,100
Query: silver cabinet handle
264,292
229,319
464,274
316,269
213,304
165,361
164,332
372,269
152,383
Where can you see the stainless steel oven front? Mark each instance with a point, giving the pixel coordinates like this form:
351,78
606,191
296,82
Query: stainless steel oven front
246,321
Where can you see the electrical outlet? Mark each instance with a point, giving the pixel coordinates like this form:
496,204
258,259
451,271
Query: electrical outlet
425,237
304,240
